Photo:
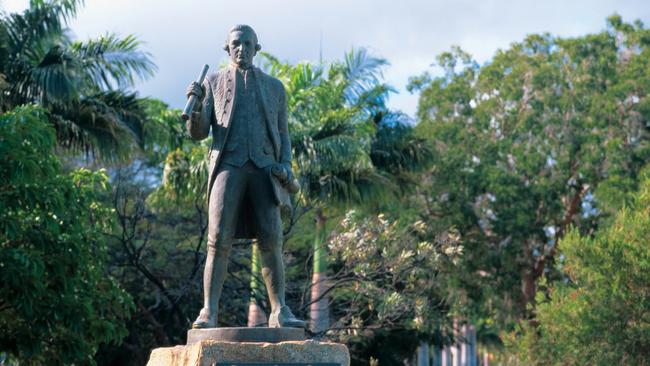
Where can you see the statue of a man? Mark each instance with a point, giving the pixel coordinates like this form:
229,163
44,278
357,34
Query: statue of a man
250,166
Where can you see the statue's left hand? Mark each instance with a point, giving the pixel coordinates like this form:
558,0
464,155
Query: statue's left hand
289,172
284,173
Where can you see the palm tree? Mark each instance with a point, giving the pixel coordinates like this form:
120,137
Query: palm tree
348,147
81,84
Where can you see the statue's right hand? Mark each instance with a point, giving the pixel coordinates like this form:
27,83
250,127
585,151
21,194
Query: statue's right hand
195,89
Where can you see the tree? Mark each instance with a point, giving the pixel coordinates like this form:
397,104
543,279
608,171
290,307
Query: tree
600,315
81,84
58,303
550,134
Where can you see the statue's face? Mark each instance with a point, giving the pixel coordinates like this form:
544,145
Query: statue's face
241,46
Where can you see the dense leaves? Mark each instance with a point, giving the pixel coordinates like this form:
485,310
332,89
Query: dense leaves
81,84
389,275
551,133
58,303
602,315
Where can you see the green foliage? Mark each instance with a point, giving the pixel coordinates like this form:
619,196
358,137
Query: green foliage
390,285
390,275
156,242
81,84
162,133
602,315
58,303
184,178
551,133
338,124
184,162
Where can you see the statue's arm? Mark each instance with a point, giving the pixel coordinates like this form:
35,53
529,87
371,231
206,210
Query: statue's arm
198,126
283,129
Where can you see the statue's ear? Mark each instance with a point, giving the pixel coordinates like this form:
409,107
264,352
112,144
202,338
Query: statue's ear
258,47
226,47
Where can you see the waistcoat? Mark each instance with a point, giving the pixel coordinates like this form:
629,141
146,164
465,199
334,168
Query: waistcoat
248,138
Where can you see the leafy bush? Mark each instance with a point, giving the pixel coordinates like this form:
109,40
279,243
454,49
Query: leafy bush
601,315
57,304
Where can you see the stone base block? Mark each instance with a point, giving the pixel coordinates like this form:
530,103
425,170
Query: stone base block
246,334
217,353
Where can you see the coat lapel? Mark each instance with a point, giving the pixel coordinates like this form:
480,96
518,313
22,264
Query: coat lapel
228,108
229,99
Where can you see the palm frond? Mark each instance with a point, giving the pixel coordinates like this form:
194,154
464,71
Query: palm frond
334,116
161,132
304,76
42,20
103,126
64,9
273,66
110,62
373,100
81,84
55,78
362,71
396,149
367,187
334,155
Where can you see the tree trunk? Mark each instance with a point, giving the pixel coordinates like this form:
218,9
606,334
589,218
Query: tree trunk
455,348
528,288
256,315
464,346
423,354
319,308
436,357
445,357
464,351
471,339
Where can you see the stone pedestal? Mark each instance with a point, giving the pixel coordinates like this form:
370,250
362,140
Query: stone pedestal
221,353
246,334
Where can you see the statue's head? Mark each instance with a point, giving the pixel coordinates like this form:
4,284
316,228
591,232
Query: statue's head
242,45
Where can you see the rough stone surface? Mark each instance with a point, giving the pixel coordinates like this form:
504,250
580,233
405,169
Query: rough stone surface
245,334
208,353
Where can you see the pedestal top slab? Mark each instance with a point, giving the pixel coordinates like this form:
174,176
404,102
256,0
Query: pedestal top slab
244,334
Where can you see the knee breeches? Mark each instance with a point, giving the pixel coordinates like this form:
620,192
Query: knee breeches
243,193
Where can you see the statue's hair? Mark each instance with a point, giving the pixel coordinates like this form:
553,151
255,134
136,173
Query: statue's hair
242,28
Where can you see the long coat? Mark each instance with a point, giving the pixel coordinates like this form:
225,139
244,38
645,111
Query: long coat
216,113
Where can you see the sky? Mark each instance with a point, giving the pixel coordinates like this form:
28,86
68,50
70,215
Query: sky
183,35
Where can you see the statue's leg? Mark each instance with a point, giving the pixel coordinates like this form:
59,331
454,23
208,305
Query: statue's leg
269,233
225,199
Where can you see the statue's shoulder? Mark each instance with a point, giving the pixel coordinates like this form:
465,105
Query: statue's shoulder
223,72
270,80
216,79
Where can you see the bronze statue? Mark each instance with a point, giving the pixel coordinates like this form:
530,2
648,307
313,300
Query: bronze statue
249,171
